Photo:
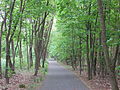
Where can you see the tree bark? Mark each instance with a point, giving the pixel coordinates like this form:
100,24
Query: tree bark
38,44
88,60
89,47
13,55
47,36
1,49
28,61
31,47
80,56
12,4
7,59
110,67
20,53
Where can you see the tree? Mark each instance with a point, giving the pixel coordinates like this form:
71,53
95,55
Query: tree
110,65
78,40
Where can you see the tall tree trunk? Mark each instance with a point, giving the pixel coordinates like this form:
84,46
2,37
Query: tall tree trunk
88,47
38,44
0,56
94,49
94,63
110,67
47,42
73,50
7,59
80,56
1,49
12,4
30,48
20,53
30,54
88,60
44,58
13,55
28,61
118,57
1,30
91,52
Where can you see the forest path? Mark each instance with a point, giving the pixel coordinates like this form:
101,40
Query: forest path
59,78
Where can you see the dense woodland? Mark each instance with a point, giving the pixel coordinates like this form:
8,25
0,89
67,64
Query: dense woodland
85,35
24,34
88,35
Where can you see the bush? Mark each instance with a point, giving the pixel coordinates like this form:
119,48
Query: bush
22,86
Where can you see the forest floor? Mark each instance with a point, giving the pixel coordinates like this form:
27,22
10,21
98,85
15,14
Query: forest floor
97,83
23,80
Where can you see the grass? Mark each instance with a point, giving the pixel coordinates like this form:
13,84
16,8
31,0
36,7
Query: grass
37,81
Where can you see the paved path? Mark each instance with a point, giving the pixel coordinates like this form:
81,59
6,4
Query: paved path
59,78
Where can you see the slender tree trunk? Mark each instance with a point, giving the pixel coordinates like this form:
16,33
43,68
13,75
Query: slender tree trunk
13,55
7,59
44,58
0,56
118,57
94,49
91,52
28,61
88,60
30,53
12,4
38,45
110,67
30,48
20,53
47,42
80,56
88,26
88,47
94,63
1,31
73,51
40,41
1,49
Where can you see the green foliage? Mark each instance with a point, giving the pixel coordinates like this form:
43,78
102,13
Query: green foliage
74,21
22,86
32,11
118,70
44,70
71,21
10,72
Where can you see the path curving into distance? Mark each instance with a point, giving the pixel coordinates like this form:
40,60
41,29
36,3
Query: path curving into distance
59,78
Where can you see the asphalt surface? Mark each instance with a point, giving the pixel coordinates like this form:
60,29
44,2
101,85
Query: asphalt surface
59,78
